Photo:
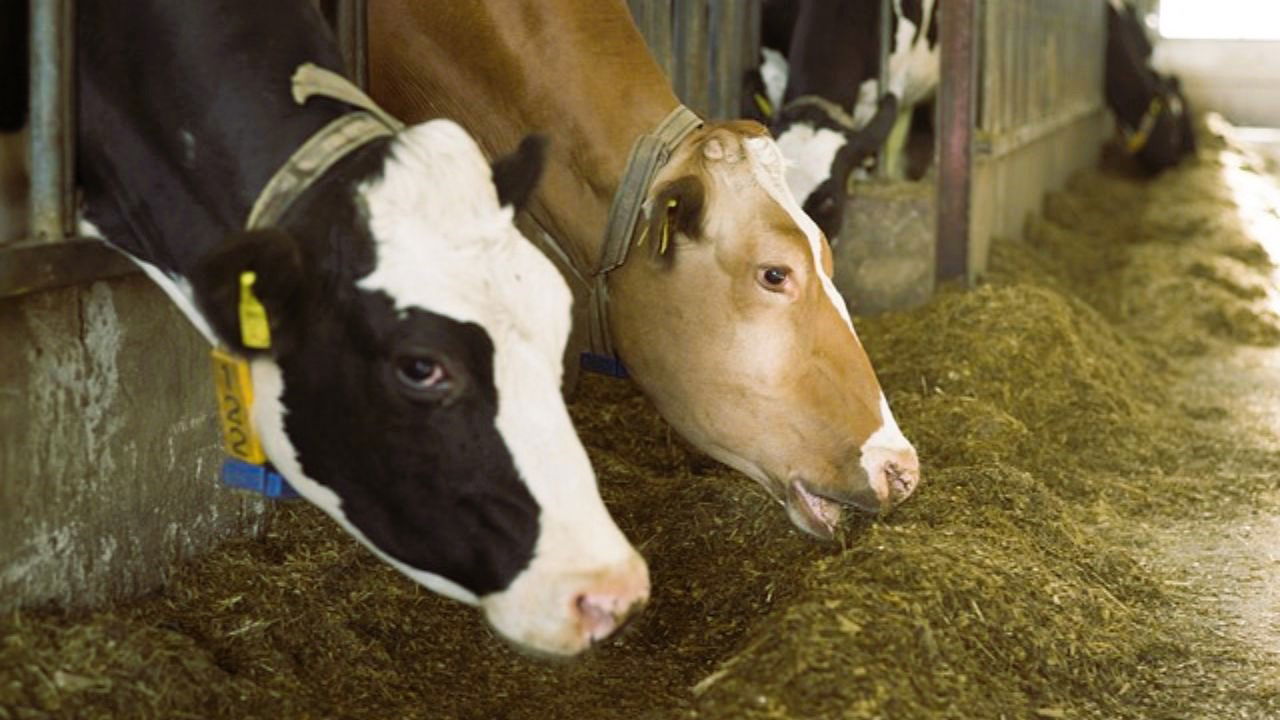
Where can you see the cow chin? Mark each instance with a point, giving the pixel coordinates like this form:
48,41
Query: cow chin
549,612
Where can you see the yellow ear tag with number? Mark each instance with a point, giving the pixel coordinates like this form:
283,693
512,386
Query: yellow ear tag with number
666,228
234,386
255,330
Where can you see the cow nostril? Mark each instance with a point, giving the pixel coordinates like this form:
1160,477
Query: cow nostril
601,614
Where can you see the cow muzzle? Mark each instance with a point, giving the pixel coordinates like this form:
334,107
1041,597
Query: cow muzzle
565,615
882,479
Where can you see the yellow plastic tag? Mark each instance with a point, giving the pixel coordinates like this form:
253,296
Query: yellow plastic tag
255,330
666,228
235,398
763,103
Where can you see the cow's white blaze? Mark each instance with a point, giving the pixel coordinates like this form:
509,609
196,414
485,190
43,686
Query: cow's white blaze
767,164
810,153
887,443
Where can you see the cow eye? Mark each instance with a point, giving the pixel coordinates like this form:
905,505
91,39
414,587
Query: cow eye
773,277
423,375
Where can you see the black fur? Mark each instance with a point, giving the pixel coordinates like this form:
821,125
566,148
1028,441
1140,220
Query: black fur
834,46
684,216
1131,84
184,114
14,68
516,175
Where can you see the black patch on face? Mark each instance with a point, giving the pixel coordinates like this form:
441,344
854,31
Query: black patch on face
429,482
826,206
424,476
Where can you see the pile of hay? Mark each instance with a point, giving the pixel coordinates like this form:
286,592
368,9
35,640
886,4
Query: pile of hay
1042,405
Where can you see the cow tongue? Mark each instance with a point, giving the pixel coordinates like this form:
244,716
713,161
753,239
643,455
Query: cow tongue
814,514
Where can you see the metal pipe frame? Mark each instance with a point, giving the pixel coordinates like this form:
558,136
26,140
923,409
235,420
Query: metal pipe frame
956,105
886,46
353,39
51,149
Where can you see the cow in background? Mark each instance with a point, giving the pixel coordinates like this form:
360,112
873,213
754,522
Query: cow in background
403,339
1152,114
833,117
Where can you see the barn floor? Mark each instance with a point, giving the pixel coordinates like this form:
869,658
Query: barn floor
1097,534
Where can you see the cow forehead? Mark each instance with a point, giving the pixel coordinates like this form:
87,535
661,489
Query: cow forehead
767,166
443,244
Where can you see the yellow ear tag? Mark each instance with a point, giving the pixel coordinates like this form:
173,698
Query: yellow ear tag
666,228
255,331
765,106
234,386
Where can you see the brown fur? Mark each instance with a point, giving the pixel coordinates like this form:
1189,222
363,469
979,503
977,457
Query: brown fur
774,384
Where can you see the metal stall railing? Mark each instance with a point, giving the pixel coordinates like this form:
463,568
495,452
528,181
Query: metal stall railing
1042,69
1040,113
53,255
957,96
704,47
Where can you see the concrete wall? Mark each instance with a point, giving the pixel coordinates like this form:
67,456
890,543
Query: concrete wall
108,445
1011,176
1238,78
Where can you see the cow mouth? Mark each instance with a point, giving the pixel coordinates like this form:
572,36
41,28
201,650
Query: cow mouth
811,512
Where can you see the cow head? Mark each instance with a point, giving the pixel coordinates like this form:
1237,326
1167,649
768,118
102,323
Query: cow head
822,153
412,386
1150,108
755,359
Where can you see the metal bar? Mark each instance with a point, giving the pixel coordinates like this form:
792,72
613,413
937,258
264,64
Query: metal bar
32,266
729,58
957,23
886,48
353,37
51,149
693,54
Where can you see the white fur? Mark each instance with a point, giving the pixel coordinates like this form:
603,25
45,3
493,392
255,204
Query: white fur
773,71
766,162
809,154
913,65
444,245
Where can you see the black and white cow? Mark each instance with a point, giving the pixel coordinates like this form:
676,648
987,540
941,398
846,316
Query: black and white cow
1150,109
833,115
412,386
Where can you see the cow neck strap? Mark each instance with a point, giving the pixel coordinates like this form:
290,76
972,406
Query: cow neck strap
1138,139
326,147
649,153
834,112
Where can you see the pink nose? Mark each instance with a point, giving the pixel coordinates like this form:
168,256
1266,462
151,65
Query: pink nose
607,605
894,474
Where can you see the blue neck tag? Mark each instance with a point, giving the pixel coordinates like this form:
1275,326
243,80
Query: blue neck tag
602,365
262,479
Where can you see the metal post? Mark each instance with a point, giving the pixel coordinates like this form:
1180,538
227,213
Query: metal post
51,150
886,47
957,24
353,38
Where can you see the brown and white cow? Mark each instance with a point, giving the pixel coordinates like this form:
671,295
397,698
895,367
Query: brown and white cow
734,329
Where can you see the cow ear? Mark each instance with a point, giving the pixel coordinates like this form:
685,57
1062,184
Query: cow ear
675,208
252,274
516,175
